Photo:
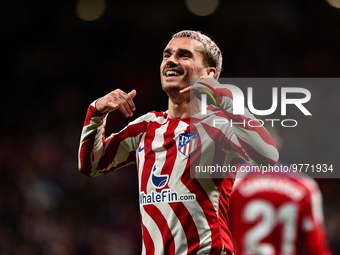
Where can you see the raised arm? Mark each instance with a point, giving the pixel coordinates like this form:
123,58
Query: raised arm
97,154
249,138
117,99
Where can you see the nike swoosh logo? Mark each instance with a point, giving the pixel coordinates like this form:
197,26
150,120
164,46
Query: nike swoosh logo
142,148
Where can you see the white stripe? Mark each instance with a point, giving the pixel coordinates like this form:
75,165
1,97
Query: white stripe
193,207
206,160
250,137
141,157
187,146
123,150
143,249
254,140
157,145
98,144
159,120
227,104
180,240
154,232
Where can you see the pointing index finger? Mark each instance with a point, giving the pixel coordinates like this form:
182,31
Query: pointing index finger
187,89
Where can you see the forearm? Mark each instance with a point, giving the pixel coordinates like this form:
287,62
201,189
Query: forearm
251,140
316,242
99,155
91,141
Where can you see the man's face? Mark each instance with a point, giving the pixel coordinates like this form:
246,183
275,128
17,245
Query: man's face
182,60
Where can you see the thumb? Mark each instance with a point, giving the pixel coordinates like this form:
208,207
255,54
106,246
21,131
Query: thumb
132,93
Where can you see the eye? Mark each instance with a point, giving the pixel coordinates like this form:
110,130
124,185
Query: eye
166,55
185,55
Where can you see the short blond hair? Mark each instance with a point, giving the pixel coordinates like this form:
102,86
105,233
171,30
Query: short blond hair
212,54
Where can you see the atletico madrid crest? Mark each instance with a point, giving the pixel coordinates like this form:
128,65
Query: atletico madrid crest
187,143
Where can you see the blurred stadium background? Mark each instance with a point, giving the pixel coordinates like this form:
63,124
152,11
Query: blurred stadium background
57,57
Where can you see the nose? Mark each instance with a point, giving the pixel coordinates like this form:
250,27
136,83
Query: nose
171,61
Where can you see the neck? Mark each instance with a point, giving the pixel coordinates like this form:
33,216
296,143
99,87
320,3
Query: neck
182,106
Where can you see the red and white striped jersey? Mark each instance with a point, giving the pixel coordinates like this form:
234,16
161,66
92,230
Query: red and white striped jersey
277,214
183,209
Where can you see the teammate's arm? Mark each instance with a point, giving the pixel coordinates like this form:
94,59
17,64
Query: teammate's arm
313,221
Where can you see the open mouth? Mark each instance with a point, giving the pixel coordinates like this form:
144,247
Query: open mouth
172,73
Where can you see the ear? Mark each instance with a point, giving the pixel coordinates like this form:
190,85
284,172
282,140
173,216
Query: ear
211,72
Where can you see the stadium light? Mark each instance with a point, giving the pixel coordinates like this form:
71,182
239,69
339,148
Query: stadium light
90,10
202,7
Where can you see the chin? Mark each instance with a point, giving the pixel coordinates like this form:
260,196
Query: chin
171,87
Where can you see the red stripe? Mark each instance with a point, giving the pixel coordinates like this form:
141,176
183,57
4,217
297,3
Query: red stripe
265,136
210,215
225,188
254,155
224,92
219,231
203,200
149,155
217,135
148,243
188,226
238,149
162,224
85,154
171,149
160,114
91,112
112,149
137,129
87,145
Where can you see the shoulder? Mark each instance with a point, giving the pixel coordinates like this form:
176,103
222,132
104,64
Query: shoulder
151,116
305,180
142,123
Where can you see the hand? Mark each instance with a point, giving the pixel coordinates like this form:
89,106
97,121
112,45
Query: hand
203,85
117,99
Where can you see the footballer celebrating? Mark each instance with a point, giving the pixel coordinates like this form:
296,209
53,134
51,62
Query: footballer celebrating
180,214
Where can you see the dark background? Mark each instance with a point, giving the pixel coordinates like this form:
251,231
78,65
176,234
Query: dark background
54,64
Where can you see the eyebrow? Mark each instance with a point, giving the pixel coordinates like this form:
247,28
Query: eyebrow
181,50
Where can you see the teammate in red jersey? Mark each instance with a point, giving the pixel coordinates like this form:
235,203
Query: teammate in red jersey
276,213
179,214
